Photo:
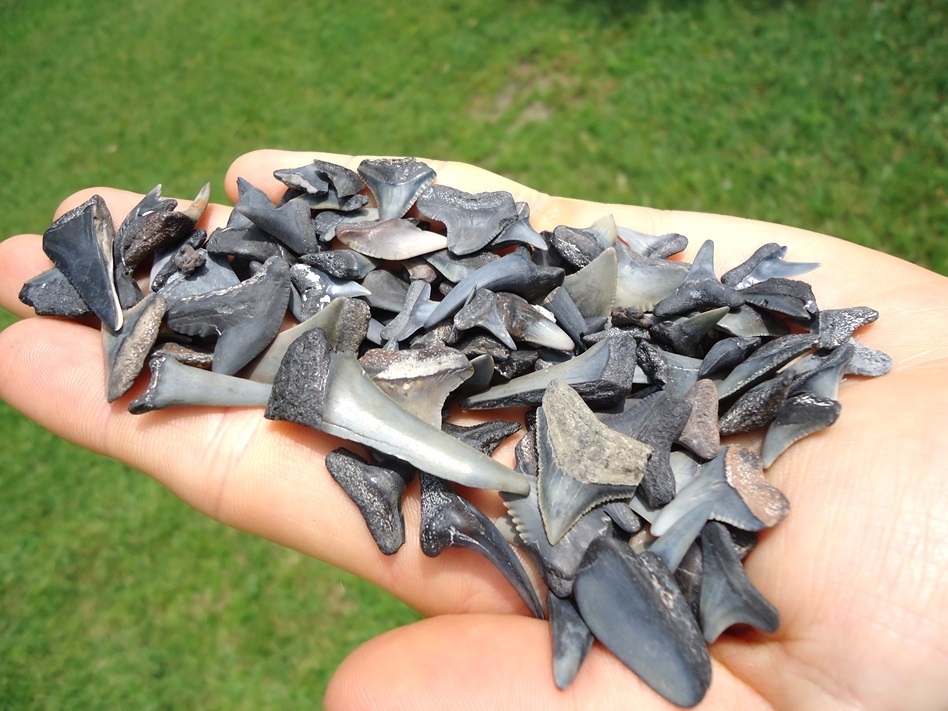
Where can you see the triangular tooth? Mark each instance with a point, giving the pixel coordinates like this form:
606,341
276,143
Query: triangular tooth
836,326
195,211
727,595
700,433
520,231
800,415
765,263
79,243
726,353
448,521
868,361
572,639
329,391
747,322
531,324
765,361
687,333
126,350
471,220
393,239
481,311
757,407
593,288
307,178
290,223
641,282
634,608
700,290
653,246
377,492
396,183
344,182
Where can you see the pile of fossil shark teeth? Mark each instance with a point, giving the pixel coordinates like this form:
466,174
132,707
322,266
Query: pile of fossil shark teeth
413,299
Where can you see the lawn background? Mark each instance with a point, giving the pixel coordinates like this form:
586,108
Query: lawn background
829,116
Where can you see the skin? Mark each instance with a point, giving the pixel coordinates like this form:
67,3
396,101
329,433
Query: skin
858,571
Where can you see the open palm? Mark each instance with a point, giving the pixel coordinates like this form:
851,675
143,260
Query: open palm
858,571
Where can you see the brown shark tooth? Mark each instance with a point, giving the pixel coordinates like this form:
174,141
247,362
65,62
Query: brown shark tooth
448,521
765,263
290,223
396,183
471,220
701,289
583,462
126,350
390,239
79,243
419,380
572,639
634,608
174,384
170,227
727,595
700,433
329,391
377,491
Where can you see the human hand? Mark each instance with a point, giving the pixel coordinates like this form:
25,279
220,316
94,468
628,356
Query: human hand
857,571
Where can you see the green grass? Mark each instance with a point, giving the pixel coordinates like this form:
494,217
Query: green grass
830,116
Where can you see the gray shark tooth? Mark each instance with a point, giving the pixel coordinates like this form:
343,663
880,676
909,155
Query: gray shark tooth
482,311
165,227
377,491
684,466
51,294
823,380
700,433
641,282
799,416
328,391
572,639
727,353
748,322
686,334
330,201
79,243
513,272
173,384
471,220
765,263
448,521
386,291
634,608
783,296
344,182
757,407
215,274
583,463
868,361
317,290
340,263
567,315
727,595
519,231
593,288
419,380
700,290
730,488
602,375
766,361
393,239
412,315
622,516
126,350
577,246
132,224
656,420
689,575
677,373
290,223
532,324
654,246
484,436
242,239
345,322
307,178
396,183
456,269
836,326
246,316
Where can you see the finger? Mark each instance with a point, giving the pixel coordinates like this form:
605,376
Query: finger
489,661
261,476
21,258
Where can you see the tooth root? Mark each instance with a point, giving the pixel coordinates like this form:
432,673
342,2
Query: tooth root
635,609
572,639
727,595
448,521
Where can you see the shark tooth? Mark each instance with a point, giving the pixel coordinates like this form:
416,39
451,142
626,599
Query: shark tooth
132,224
126,350
377,492
519,231
823,380
765,361
448,521
593,288
396,183
757,407
471,220
836,326
79,243
701,289
394,238
174,384
677,373
482,311
700,433
165,227
527,323
317,290
290,223
799,416
634,608
686,334
765,263
602,376
868,361
216,273
642,282
727,353
51,294
567,315
484,436
329,391
583,463
748,322
783,296
572,639
727,595
307,178
653,246
513,272
242,239
328,201
312,177
577,246
412,315
340,263
455,269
